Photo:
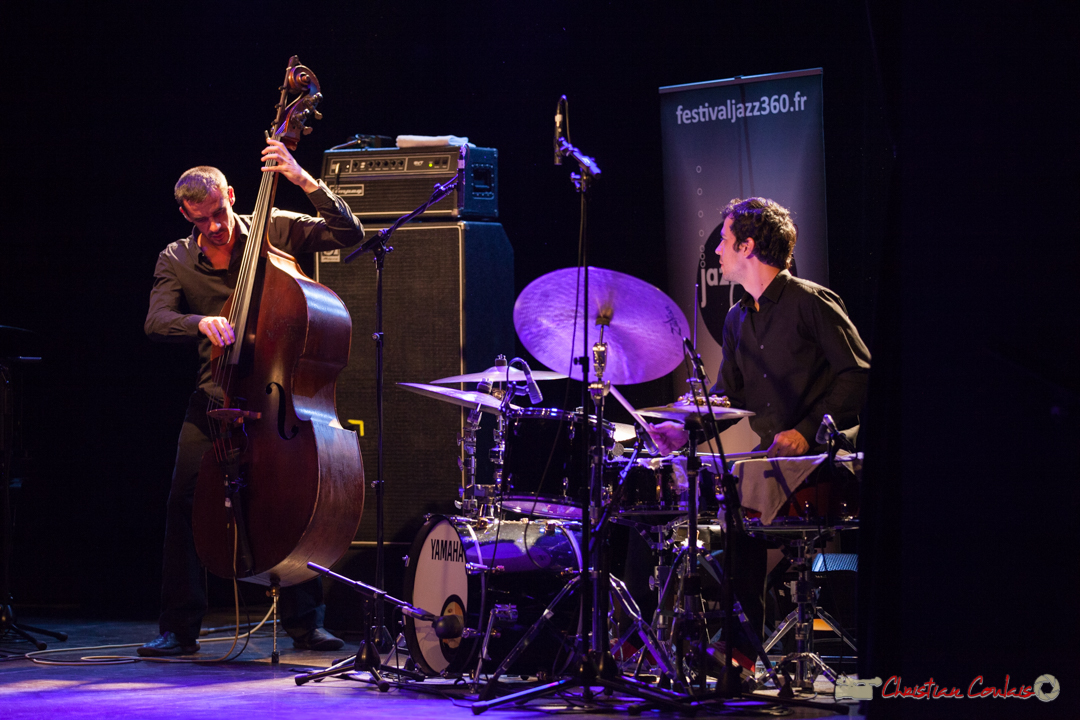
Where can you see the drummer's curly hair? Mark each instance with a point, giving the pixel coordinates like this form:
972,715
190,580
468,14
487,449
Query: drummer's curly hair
768,223
195,184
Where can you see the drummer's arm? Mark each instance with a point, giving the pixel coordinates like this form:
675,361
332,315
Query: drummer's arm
788,443
668,436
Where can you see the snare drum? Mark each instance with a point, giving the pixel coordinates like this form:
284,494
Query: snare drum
819,501
542,465
660,486
445,576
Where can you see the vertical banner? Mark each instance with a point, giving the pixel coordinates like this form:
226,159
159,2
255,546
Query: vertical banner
738,138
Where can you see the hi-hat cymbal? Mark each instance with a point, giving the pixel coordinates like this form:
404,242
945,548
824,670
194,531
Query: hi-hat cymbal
679,411
464,398
644,327
498,374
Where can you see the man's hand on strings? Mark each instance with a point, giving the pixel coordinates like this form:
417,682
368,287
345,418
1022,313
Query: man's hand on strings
668,436
218,330
788,444
287,165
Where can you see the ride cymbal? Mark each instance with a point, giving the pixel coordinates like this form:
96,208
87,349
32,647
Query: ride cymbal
644,328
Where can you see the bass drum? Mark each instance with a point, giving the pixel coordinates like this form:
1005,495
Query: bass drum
446,576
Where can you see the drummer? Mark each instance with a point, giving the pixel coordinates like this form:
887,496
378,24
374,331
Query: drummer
790,352
790,355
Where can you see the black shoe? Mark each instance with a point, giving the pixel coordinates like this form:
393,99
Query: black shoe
318,639
168,644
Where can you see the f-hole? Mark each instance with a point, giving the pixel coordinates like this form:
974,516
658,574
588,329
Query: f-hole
281,412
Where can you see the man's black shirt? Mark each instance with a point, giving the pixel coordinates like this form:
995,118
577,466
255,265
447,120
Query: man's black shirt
793,360
187,288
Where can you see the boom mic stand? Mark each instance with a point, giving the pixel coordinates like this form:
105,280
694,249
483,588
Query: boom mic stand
379,249
593,664
728,686
367,659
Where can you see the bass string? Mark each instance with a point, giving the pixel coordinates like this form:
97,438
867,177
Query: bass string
223,373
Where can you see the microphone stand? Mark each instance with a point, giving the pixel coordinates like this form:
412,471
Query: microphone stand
593,664
368,659
728,686
379,249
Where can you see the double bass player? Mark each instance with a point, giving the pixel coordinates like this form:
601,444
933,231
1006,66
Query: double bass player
192,280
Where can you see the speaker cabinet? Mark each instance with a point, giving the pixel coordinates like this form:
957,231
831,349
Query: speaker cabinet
448,300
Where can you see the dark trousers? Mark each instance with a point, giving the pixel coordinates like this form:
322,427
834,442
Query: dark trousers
183,587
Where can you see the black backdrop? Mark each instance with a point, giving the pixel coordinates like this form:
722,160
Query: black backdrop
949,154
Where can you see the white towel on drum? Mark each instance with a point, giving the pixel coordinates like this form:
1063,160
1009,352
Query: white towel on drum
765,484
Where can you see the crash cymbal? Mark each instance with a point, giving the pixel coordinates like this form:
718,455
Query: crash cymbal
498,374
464,398
680,410
644,327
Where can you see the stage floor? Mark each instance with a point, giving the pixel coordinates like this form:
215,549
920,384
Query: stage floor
251,686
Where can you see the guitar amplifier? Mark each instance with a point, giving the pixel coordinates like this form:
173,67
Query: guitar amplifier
385,183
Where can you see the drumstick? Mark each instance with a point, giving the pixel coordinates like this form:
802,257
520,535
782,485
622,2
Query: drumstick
629,408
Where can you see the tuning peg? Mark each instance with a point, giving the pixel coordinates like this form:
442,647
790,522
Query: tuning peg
307,130
318,115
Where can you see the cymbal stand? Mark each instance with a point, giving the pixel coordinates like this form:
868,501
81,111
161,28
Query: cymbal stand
729,687
593,664
379,249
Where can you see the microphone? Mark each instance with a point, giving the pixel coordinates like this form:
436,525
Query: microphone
826,430
694,357
448,627
534,390
558,128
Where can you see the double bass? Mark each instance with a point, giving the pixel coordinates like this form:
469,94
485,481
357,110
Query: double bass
284,482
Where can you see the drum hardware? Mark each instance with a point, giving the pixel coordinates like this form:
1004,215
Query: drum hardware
650,639
688,627
667,576
471,499
547,323
803,538
808,664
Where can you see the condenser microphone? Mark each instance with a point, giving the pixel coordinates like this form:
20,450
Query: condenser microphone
825,430
534,390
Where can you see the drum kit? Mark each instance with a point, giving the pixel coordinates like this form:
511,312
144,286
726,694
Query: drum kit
490,592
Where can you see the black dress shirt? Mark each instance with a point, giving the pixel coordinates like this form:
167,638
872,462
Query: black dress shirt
793,360
187,288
